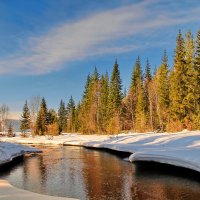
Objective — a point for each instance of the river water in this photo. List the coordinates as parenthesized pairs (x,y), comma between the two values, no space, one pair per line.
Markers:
(89,174)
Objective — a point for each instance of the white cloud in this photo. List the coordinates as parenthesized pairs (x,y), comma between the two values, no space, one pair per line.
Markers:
(91,36)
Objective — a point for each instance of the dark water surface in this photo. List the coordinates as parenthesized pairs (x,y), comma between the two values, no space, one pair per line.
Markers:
(88,174)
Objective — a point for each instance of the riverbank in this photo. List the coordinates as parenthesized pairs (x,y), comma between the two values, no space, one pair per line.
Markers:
(10,192)
(180,149)
(9,151)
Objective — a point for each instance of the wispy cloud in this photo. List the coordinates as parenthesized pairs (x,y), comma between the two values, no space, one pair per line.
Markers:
(92,36)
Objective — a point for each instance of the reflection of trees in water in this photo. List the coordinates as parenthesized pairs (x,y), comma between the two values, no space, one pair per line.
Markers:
(34,173)
(89,174)
(103,174)
(163,182)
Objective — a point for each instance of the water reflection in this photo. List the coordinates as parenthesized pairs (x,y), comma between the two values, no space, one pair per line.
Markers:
(87,174)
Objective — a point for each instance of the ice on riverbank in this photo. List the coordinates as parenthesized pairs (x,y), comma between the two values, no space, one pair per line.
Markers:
(180,149)
(8,151)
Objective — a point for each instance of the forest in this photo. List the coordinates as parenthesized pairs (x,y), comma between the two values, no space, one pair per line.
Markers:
(167,100)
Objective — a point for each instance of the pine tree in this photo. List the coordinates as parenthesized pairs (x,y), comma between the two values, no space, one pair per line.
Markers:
(85,104)
(147,100)
(62,117)
(115,91)
(53,125)
(95,77)
(162,92)
(189,99)
(25,122)
(77,117)
(140,114)
(52,116)
(132,98)
(177,80)
(94,95)
(197,81)
(103,103)
(71,115)
(87,85)
(42,119)
(115,100)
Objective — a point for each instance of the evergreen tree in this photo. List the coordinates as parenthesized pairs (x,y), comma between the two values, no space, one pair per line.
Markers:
(62,117)
(87,85)
(84,109)
(115,99)
(197,81)
(162,92)
(115,91)
(25,122)
(178,89)
(77,118)
(140,114)
(103,103)
(94,95)
(148,76)
(53,125)
(52,116)
(71,115)
(42,118)
(132,98)
(189,99)
(147,99)
(95,77)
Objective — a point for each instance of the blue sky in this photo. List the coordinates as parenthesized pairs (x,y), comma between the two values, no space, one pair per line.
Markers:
(49,46)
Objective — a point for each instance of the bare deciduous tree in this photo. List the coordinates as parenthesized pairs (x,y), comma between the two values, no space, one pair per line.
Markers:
(4,110)
(34,106)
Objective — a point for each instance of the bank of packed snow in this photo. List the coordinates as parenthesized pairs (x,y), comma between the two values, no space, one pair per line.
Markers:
(180,149)
(8,151)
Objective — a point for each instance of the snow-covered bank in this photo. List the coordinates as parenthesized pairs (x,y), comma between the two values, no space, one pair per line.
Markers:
(179,149)
(9,151)
(10,192)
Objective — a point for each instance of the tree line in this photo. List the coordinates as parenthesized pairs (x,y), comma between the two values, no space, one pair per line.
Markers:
(167,100)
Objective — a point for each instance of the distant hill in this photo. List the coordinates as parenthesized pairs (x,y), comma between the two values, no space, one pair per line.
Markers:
(15,124)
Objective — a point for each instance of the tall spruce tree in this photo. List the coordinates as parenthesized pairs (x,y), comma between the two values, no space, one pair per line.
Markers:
(42,118)
(85,104)
(115,91)
(94,95)
(25,122)
(52,116)
(87,85)
(71,115)
(103,103)
(162,92)
(178,89)
(189,99)
(197,81)
(140,114)
(147,99)
(77,117)
(53,125)
(115,99)
(62,117)
(132,98)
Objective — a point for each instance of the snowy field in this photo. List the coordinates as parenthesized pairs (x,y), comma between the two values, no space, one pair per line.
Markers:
(179,149)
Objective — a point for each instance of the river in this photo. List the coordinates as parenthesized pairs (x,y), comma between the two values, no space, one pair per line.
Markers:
(97,175)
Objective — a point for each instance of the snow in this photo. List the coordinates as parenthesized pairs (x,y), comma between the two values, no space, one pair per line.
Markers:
(179,149)
(10,192)
(8,151)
